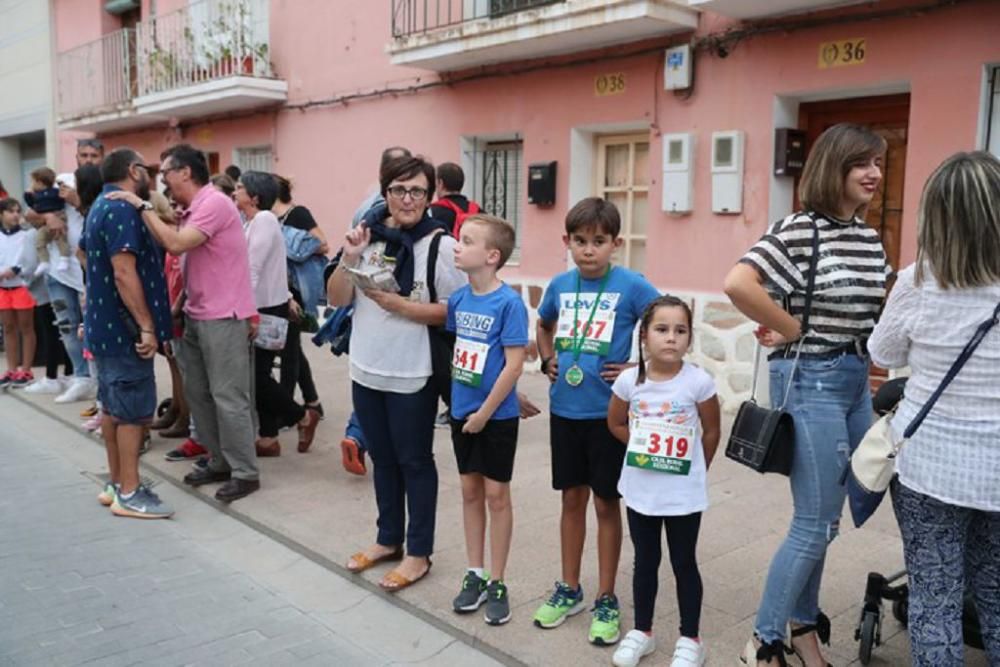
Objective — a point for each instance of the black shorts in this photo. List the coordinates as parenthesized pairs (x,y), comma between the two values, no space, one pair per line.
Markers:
(584,453)
(490,452)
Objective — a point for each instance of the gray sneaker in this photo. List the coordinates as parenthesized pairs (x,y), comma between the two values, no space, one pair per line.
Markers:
(473,594)
(144,504)
(497,604)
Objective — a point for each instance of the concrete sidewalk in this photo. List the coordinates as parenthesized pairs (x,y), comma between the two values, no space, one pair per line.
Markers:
(309,501)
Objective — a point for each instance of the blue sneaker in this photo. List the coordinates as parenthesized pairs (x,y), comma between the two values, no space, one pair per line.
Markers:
(563,603)
(144,504)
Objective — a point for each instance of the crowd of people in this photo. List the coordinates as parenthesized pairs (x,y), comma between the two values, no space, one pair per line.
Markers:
(223,274)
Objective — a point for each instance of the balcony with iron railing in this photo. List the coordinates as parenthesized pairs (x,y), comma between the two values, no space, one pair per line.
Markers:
(445,35)
(96,79)
(210,57)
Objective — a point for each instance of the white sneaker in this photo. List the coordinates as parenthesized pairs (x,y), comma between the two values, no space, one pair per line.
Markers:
(62,264)
(80,389)
(636,645)
(45,386)
(688,653)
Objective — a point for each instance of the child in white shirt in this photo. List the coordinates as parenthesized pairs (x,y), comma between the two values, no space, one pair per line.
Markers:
(655,409)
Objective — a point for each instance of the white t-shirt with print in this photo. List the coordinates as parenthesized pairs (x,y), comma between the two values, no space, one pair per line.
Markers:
(390,352)
(673,401)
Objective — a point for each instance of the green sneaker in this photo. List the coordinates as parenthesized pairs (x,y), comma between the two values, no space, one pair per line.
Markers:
(107,495)
(607,621)
(563,603)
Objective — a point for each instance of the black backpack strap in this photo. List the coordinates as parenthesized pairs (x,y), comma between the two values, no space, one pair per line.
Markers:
(432,260)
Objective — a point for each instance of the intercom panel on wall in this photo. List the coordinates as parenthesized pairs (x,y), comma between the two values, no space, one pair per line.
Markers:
(727,171)
(678,172)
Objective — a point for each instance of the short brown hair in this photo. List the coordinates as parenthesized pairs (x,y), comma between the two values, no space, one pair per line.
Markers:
(45,176)
(224,182)
(958,224)
(837,150)
(451,176)
(500,234)
(403,168)
(594,213)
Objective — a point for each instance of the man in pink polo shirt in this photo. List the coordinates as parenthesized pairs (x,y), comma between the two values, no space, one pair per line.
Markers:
(219,312)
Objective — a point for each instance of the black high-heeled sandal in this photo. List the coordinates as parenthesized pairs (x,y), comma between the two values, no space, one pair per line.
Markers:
(822,629)
(753,653)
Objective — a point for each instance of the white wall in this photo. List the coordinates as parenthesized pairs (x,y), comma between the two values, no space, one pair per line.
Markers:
(25,82)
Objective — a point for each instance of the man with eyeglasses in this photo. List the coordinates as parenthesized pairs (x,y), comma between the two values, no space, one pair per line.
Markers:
(65,283)
(220,320)
(127,319)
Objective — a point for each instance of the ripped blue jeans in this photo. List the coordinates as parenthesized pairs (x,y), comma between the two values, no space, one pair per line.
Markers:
(831,404)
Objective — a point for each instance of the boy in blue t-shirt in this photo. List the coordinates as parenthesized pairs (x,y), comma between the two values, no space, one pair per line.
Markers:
(491,326)
(584,335)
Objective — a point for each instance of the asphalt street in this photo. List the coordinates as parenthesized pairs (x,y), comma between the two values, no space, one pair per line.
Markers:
(80,586)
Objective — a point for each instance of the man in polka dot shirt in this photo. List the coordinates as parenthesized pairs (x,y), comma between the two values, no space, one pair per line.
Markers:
(126,319)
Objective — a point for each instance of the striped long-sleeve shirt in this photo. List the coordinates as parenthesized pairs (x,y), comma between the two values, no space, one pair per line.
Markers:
(850,276)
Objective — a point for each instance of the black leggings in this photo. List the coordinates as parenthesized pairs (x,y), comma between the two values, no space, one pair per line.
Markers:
(275,405)
(50,350)
(295,367)
(682,540)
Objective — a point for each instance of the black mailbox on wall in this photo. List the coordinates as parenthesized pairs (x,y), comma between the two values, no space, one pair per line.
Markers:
(789,151)
(542,183)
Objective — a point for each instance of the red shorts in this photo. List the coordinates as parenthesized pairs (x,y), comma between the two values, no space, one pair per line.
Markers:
(16,298)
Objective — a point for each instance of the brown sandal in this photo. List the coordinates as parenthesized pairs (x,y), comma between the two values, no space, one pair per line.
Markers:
(363,562)
(393,581)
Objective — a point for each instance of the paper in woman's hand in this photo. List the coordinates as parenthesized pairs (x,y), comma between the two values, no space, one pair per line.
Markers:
(380,279)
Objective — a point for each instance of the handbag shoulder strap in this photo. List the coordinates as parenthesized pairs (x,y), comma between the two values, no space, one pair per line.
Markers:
(970,347)
(810,281)
(813,269)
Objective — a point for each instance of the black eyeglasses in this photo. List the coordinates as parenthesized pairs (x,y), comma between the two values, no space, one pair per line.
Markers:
(92,143)
(399,192)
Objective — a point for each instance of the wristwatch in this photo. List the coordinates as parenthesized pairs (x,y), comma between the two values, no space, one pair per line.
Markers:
(146,206)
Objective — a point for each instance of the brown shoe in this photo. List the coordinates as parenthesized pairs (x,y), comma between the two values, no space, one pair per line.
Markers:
(307,431)
(235,489)
(265,449)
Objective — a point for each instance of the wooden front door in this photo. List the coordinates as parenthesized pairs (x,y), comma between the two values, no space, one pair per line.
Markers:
(888,116)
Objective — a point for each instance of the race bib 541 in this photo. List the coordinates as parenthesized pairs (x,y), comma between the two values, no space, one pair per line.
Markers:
(468,362)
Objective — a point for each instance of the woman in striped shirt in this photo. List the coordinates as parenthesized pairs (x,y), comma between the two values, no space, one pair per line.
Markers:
(828,395)
(947,495)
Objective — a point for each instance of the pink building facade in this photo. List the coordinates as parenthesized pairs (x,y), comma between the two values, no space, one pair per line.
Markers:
(684,142)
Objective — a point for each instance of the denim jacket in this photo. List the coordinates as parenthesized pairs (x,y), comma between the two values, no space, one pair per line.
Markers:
(305,267)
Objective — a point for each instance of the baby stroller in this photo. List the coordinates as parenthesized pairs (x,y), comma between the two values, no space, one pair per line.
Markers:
(880,587)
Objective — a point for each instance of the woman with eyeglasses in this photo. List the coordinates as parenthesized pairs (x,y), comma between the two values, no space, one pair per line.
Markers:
(394,396)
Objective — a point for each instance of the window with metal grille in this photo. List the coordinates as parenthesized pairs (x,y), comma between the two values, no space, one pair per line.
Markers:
(498,182)
(992,142)
(253,158)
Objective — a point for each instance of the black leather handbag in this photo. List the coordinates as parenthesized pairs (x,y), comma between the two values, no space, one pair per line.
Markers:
(763,439)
